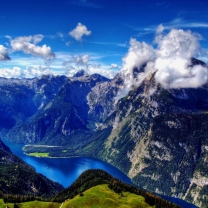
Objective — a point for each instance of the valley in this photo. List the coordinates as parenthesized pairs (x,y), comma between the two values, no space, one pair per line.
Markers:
(21,186)
(158,139)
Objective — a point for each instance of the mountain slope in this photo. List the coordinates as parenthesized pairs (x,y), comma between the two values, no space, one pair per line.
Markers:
(162,137)
(98,188)
(103,196)
(40,109)
(19,178)
(156,136)
(152,137)
(90,185)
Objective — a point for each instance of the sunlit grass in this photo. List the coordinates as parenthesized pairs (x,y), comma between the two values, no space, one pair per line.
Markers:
(31,204)
(103,197)
(39,154)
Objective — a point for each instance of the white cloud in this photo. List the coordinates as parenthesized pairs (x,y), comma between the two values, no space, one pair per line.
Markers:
(174,54)
(82,59)
(61,35)
(75,63)
(181,23)
(79,32)
(138,54)
(123,45)
(171,61)
(102,70)
(15,72)
(28,44)
(114,66)
(174,24)
(160,29)
(66,63)
(3,53)
(29,72)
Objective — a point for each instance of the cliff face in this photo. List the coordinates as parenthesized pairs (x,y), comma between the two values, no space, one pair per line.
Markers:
(160,140)
(49,109)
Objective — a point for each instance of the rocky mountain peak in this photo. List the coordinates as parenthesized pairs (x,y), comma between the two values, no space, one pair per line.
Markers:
(80,73)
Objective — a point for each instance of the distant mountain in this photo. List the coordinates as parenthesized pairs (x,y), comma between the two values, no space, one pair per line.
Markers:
(157,136)
(47,109)
(18,178)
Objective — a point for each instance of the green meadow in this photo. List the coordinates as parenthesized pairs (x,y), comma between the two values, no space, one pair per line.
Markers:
(102,196)
(31,204)
(39,154)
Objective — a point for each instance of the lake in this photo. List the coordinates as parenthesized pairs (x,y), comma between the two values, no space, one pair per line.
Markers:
(66,170)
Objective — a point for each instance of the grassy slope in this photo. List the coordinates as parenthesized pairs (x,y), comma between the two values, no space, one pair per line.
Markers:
(98,196)
(38,154)
(103,197)
(32,204)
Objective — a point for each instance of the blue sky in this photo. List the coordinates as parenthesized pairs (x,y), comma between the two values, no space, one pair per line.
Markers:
(63,36)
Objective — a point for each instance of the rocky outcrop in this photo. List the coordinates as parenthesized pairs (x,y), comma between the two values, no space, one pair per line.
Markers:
(160,140)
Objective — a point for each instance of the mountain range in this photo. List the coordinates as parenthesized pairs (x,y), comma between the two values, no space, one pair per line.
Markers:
(157,136)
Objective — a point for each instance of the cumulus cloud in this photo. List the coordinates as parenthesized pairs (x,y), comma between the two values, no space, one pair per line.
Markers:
(102,70)
(28,44)
(29,72)
(114,66)
(82,60)
(173,62)
(79,32)
(3,53)
(138,54)
(75,63)
(15,72)
(160,29)
(170,60)
(79,61)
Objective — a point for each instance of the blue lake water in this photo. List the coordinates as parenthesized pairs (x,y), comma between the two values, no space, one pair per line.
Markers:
(67,170)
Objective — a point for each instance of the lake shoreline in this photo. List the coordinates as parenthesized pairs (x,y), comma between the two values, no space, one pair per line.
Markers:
(65,170)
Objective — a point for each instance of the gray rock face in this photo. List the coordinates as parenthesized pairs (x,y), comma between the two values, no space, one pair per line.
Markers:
(160,140)
(47,109)
(101,99)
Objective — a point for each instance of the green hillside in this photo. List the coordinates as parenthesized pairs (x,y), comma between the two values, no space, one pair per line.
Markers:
(103,197)
(31,204)
(18,179)
(96,188)
(89,187)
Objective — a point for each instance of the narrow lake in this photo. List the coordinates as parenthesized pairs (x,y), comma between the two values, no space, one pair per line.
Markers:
(67,170)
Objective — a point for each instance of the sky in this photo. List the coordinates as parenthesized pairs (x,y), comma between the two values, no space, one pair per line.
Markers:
(61,37)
